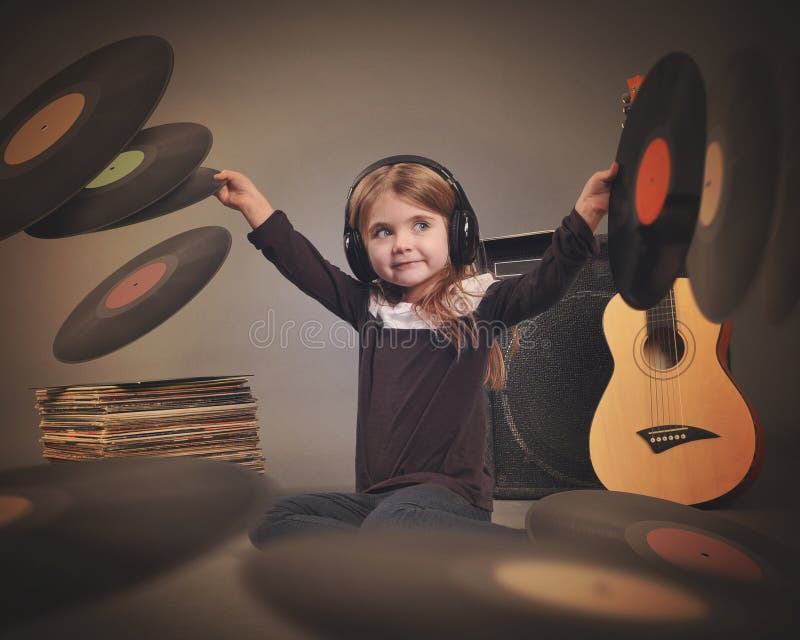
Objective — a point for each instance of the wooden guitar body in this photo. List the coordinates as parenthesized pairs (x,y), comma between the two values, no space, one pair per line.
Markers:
(671,423)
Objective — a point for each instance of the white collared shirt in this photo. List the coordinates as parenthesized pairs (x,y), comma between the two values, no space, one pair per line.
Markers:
(402,315)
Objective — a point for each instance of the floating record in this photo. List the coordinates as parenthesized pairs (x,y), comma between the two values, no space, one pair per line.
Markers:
(199,186)
(411,584)
(668,535)
(142,294)
(741,169)
(156,161)
(656,196)
(62,135)
(781,286)
(73,532)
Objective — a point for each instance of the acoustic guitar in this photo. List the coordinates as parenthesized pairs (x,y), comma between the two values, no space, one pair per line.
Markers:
(671,423)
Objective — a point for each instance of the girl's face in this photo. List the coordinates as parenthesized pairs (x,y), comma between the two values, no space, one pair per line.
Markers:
(407,246)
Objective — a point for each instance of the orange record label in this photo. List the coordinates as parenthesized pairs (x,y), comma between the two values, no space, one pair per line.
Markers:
(44,128)
(13,508)
(712,184)
(652,181)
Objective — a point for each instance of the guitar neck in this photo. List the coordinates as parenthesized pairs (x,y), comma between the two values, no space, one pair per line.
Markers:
(662,315)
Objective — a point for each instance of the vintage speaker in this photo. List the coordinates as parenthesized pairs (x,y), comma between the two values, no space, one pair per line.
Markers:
(538,431)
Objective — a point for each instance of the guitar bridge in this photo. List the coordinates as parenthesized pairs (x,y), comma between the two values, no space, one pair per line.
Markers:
(671,435)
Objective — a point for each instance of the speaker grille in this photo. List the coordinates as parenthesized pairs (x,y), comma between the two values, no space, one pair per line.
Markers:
(539,423)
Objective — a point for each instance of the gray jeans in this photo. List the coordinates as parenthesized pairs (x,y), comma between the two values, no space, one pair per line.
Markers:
(423,506)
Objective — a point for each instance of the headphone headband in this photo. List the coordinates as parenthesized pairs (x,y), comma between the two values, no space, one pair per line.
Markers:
(461,197)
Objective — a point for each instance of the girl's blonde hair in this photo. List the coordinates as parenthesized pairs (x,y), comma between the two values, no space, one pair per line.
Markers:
(426,189)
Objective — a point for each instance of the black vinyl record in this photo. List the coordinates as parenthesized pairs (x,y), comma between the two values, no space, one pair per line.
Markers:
(63,134)
(77,531)
(416,584)
(146,384)
(668,535)
(656,196)
(156,161)
(780,284)
(198,186)
(142,294)
(741,171)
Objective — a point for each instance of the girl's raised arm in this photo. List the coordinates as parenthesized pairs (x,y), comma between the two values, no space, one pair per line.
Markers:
(593,202)
(241,194)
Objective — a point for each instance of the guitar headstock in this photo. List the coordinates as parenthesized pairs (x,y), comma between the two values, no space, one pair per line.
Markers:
(634,83)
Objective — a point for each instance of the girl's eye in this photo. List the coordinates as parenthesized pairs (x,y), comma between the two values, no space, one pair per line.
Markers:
(383,232)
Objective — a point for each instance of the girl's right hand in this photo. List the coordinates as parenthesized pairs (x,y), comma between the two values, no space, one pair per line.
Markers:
(241,194)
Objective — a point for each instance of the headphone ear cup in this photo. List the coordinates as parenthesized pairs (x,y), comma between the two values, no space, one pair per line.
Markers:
(357,256)
(471,237)
(463,237)
(454,237)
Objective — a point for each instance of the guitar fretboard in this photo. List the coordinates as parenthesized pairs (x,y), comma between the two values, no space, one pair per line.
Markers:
(662,315)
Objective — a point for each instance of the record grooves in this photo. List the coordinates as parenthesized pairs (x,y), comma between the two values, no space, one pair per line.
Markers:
(656,195)
(739,188)
(96,528)
(198,186)
(157,160)
(91,110)
(142,294)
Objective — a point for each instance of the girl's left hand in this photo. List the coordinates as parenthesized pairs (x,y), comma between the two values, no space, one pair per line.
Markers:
(592,204)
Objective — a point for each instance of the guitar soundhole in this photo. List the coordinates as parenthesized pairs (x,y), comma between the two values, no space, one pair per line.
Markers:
(663,348)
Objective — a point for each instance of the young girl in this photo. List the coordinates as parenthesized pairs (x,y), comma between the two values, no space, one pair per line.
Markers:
(427,325)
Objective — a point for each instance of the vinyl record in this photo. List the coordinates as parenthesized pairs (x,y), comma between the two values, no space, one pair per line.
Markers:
(412,584)
(63,134)
(741,171)
(198,186)
(146,384)
(780,284)
(656,196)
(668,535)
(75,532)
(156,161)
(142,294)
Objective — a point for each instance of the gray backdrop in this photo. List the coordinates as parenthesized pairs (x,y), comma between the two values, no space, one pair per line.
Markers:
(521,101)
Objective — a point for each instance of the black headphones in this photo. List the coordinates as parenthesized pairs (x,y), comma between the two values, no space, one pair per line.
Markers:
(463,237)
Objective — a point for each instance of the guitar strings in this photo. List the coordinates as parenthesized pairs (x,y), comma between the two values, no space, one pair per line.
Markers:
(664,370)
(652,336)
(675,336)
(669,407)
(668,396)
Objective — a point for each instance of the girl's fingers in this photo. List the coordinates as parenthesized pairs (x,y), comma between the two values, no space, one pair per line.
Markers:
(225,174)
(609,174)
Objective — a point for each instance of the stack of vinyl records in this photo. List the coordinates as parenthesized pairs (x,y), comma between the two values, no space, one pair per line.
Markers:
(210,417)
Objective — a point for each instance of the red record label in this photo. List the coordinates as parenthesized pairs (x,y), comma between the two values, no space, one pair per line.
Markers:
(701,553)
(142,294)
(652,181)
(136,285)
